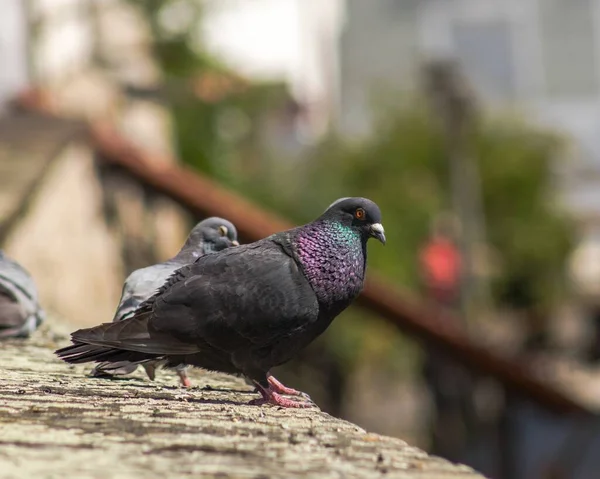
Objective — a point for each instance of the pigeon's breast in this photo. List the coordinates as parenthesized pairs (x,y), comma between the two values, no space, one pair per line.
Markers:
(334,266)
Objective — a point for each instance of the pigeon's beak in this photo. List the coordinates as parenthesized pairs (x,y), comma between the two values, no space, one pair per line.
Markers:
(235,243)
(377,231)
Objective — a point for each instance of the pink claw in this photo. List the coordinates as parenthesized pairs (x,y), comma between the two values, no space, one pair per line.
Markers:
(280,388)
(269,396)
(278,400)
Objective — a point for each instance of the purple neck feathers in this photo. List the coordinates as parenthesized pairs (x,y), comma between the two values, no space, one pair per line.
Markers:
(333,258)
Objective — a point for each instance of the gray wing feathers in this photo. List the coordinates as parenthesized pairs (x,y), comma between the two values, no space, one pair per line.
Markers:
(140,285)
(119,368)
(20,311)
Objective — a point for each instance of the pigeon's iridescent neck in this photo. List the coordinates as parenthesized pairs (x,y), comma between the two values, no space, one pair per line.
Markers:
(344,234)
(333,258)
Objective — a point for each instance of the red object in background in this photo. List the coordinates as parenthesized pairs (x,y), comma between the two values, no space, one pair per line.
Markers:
(440,261)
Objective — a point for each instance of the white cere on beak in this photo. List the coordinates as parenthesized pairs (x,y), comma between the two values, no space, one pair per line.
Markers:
(378,232)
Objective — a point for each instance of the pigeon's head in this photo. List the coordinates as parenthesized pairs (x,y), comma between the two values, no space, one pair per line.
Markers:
(215,234)
(360,214)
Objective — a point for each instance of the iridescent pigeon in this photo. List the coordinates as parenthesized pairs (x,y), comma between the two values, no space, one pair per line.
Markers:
(211,235)
(247,309)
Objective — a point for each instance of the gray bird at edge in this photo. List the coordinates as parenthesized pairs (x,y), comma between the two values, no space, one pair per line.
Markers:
(20,311)
(247,309)
(210,235)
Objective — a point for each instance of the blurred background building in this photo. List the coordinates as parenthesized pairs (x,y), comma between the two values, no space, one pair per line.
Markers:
(292,103)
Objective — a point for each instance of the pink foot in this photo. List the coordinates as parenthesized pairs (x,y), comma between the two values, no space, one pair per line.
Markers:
(269,396)
(185,381)
(280,388)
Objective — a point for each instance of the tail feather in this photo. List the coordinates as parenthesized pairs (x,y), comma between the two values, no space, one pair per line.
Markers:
(129,340)
(134,334)
(120,368)
(84,353)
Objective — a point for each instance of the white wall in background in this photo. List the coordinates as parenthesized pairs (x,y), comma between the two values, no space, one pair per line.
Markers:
(290,40)
(13,50)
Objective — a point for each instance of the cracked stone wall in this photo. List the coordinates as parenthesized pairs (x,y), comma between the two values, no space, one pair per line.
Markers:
(55,422)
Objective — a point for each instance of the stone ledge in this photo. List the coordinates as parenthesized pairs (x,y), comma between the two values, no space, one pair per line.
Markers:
(56,423)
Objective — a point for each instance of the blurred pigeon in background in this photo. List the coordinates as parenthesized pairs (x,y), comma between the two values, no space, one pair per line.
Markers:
(20,311)
(212,234)
(248,309)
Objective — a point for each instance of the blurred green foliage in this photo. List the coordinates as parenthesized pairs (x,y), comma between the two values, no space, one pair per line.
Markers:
(402,166)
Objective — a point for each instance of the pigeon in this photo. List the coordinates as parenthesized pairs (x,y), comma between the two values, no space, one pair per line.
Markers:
(247,309)
(20,311)
(212,234)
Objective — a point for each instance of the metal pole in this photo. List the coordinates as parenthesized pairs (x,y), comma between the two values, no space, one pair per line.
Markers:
(455,105)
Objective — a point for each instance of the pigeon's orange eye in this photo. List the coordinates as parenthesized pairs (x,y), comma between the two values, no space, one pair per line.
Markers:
(360,214)
(223,230)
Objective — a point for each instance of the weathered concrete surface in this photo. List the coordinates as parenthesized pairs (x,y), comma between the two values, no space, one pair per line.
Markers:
(55,423)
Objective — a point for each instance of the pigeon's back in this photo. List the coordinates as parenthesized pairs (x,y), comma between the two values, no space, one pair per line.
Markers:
(141,285)
(20,312)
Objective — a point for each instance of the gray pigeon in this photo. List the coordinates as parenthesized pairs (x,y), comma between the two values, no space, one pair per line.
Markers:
(248,309)
(20,311)
(212,234)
